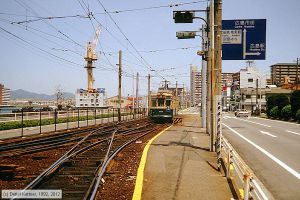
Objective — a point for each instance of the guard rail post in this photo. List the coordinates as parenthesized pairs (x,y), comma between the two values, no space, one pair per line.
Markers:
(246,186)
(228,164)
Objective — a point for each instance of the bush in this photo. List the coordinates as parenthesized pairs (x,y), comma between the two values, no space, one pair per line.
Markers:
(295,102)
(298,115)
(270,103)
(274,113)
(286,112)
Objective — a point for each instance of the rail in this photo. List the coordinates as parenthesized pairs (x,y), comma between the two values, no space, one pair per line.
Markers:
(236,168)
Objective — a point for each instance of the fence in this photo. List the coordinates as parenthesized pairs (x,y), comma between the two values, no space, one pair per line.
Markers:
(235,168)
(28,123)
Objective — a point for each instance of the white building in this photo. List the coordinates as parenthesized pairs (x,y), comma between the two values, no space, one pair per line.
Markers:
(87,99)
(251,77)
(4,95)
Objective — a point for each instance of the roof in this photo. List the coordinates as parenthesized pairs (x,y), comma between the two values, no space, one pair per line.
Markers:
(284,64)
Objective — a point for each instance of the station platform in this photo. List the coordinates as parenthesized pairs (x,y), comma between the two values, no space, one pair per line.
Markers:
(179,166)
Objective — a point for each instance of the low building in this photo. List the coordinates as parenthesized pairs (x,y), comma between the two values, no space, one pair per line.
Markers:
(86,99)
(4,95)
(113,102)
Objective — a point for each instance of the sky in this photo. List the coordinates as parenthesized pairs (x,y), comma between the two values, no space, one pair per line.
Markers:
(41,54)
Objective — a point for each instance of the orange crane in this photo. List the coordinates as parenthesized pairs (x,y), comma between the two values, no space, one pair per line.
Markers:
(90,58)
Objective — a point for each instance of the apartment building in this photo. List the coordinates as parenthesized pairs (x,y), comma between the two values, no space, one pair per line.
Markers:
(281,71)
(4,95)
(195,86)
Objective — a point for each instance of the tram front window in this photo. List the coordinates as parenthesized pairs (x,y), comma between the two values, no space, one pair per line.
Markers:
(168,102)
(160,102)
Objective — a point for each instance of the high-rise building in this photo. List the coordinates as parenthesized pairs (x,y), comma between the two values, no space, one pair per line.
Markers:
(4,95)
(195,86)
(280,71)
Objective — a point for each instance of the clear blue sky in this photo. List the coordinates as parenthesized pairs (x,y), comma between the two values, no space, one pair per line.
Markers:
(41,68)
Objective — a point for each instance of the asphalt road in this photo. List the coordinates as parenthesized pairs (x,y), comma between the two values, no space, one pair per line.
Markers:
(271,149)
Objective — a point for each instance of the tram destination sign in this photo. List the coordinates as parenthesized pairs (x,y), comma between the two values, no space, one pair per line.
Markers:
(244,39)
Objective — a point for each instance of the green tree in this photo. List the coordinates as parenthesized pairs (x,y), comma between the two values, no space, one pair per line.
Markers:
(270,103)
(281,101)
(286,112)
(274,113)
(295,102)
(298,115)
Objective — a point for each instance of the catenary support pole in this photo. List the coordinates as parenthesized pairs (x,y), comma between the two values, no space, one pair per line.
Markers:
(120,86)
(149,95)
(137,91)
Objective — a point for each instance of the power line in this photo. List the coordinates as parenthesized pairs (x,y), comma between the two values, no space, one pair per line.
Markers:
(153,7)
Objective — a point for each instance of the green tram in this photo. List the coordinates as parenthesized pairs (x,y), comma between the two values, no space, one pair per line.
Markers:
(163,107)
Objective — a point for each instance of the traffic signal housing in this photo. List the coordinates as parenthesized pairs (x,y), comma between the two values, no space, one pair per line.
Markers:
(183,16)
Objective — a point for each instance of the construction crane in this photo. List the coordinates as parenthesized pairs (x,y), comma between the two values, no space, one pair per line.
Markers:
(90,58)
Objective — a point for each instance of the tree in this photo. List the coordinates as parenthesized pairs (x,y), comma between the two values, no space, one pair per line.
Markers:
(298,115)
(274,113)
(286,112)
(270,103)
(281,100)
(59,94)
(295,102)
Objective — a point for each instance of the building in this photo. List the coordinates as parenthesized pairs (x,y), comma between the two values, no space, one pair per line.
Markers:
(246,82)
(84,98)
(227,80)
(113,102)
(280,71)
(195,86)
(4,95)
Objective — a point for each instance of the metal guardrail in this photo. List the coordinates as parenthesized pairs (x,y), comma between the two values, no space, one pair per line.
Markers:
(235,168)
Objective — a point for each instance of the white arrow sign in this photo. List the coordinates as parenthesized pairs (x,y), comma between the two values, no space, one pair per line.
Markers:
(244,47)
(267,133)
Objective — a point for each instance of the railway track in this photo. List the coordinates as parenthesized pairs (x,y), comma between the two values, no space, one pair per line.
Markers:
(53,141)
(78,173)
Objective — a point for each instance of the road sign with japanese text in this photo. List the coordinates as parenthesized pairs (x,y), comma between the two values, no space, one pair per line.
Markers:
(244,39)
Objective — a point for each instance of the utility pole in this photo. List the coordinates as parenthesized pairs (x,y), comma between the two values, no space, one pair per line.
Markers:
(184,99)
(133,106)
(137,90)
(120,86)
(218,86)
(203,80)
(149,95)
(213,76)
(208,104)
(176,91)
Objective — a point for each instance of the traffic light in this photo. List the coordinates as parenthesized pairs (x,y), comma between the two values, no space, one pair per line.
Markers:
(183,16)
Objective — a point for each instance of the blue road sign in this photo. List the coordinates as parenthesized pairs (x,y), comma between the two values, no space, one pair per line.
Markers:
(244,39)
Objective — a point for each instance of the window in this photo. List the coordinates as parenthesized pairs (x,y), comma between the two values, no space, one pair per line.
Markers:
(81,104)
(168,102)
(160,102)
(80,100)
(250,80)
(248,96)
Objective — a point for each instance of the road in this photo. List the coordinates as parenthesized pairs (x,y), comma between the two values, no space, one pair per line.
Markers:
(271,149)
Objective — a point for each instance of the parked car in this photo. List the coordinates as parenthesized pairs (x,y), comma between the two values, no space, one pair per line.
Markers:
(242,113)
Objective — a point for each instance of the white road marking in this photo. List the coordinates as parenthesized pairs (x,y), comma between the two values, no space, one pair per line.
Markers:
(267,133)
(292,132)
(255,123)
(279,162)
(277,121)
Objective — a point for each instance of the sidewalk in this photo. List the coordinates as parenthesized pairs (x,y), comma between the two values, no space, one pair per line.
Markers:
(180,166)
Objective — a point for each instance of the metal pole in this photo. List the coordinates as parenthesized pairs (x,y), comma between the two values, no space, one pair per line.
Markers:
(22,123)
(78,118)
(256,100)
(137,90)
(133,101)
(40,121)
(208,102)
(95,116)
(67,119)
(120,86)
(149,95)
(87,117)
(55,118)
